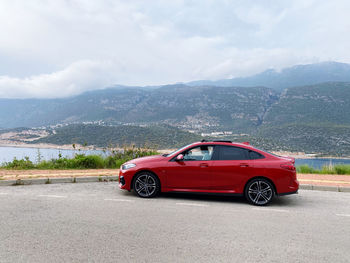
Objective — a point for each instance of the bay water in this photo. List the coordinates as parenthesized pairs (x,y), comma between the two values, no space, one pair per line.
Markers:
(7,154)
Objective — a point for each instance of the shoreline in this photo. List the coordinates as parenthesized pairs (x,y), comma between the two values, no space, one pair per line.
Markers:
(296,155)
(49,146)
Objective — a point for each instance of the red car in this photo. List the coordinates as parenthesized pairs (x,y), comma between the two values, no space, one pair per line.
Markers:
(212,167)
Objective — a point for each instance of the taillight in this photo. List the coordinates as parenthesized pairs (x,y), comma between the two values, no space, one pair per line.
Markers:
(288,166)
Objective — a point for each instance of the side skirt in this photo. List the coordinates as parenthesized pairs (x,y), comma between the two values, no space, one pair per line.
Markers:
(204,193)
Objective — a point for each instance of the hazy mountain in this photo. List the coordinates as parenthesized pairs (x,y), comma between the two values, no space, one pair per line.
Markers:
(299,75)
(180,105)
(312,118)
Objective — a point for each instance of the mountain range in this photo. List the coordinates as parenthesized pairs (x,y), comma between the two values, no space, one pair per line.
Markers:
(299,75)
(303,108)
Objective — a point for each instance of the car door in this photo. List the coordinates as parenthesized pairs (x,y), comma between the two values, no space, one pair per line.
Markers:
(231,168)
(193,172)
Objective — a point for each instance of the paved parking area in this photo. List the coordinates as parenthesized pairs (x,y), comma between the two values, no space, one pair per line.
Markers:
(97,222)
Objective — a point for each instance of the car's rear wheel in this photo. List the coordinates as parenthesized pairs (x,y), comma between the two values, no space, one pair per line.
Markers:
(259,191)
(146,185)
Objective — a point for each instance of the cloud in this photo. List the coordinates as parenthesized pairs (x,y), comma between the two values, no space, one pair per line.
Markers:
(76,78)
(60,48)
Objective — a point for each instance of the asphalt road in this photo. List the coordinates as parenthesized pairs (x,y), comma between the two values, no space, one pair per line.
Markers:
(97,222)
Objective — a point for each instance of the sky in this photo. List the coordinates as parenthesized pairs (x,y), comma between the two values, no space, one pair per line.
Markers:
(59,48)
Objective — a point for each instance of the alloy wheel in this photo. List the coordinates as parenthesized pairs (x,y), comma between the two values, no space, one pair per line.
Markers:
(260,192)
(145,185)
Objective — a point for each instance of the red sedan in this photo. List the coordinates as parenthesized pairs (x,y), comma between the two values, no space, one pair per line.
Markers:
(212,167)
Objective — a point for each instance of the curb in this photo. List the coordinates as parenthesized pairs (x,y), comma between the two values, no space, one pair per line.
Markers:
(90,179)
(324,188)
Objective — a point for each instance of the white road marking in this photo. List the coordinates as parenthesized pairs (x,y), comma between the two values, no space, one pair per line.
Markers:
(54,196)
(192,204)
(343,215)
(271,210)
(119,200)
(3,193)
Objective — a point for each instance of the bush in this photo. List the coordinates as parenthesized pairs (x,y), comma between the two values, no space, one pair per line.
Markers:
(326,169)
(305,169)
(88,162)
(81,161)
(342,169)
(20,164)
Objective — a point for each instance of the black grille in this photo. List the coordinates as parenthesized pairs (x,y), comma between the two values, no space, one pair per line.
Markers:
(121,180)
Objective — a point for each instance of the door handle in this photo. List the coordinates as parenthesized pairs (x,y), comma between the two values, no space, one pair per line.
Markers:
(203,165)
(244,165)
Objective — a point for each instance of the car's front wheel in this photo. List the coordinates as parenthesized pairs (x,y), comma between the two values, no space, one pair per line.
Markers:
(259,191)
(146,185)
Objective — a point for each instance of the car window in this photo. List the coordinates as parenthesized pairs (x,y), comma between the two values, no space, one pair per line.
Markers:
(178,150)
(200,153)
(254,155)
(233,153)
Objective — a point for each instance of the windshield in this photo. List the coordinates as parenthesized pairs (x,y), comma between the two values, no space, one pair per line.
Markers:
(178,150)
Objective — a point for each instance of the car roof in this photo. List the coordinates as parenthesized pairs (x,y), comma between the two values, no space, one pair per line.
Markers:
(244,145)
(228,143)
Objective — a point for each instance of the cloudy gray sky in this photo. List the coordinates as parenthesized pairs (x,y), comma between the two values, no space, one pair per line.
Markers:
(55,48)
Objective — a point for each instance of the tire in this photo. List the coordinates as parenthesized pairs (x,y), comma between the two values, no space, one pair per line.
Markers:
(146,185)
(259,192)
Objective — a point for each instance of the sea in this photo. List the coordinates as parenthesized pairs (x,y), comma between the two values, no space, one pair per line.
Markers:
(7,154)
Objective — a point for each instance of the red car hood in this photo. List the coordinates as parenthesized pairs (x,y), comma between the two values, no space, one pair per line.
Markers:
(147,158)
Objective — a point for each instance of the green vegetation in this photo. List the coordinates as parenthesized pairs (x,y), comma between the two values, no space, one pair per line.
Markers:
(340,169)
(82,161)
(156,136)
(312,138)
(325,103)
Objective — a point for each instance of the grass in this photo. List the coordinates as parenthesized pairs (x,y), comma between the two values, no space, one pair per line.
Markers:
(81,161)
(341,169)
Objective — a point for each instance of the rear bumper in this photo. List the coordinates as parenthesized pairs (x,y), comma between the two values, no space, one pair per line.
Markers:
(292,188)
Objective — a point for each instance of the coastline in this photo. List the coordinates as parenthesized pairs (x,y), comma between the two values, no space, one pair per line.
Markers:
(49,146)
(296,155)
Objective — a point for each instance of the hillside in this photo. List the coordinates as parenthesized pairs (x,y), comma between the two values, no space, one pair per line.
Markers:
(311,118)
(106,136)
(197,108)
(312,138)
(327,103)
(299,75)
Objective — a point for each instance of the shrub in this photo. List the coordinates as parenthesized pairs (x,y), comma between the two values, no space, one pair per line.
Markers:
(326,169)
(81,161)
(20,164)
(88,162)
(305,169)
(342,169)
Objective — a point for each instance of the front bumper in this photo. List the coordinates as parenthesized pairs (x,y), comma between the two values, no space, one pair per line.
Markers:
(125,177)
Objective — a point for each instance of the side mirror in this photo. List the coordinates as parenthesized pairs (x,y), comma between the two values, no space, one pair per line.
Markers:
(180,157)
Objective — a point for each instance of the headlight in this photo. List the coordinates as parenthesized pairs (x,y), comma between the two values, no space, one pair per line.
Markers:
(128,166)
